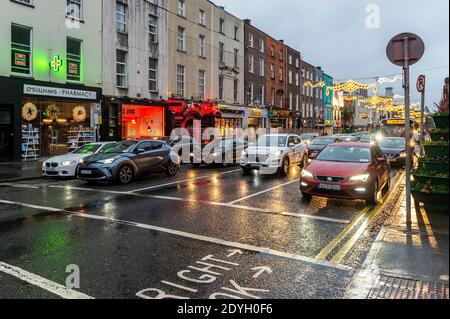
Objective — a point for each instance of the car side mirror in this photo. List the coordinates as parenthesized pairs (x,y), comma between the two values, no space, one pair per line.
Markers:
(291,145)
(140,150)
(313,155)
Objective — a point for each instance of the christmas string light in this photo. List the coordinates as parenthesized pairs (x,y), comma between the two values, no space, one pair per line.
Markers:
(314,84)
(351,87)
(350,98)
(382,80)
(376,100)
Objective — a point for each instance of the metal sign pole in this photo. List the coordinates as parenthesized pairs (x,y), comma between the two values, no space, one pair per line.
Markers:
(407,125)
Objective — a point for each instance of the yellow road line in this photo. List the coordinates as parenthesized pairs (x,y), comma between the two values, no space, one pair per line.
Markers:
(329,248)
(351,242)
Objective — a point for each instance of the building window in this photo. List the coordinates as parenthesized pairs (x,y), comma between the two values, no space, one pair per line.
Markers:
(297,79)
(201,46)
(221,80)
(236,33)
(236,90)
(236,58)
(250,92)
(290,59)
(21,49)
(201,83)
(280,55)
(272,51)
(272,71)
(181,39)
(181,8)
(291,79)
(153,75)
(261,45)
(121,17)
(74,9)
(273,96)
(222,26)
(73,60)
(250,40)
(261,94)
(281,74)
(297,63)
(153,29)
(201,17)
(251,68)
(221,52)
(180,79)
(297,102)
(121,69)
(261,67)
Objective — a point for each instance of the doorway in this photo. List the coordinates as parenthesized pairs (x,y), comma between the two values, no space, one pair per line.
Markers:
(6,133)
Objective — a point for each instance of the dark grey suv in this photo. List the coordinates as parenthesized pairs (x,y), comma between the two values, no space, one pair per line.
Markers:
(124,161)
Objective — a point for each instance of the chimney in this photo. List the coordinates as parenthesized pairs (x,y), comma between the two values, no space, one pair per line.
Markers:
(282,41)
(248,21)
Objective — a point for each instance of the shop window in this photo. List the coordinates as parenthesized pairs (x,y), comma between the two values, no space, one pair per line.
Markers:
(73,60)
(142,122)
(20,49)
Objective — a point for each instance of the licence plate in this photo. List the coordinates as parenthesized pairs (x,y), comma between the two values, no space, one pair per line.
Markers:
(330,187)
(84,172)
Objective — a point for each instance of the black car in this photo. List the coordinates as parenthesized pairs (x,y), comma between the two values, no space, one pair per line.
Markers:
(395,149)
(319,143)
(124,161)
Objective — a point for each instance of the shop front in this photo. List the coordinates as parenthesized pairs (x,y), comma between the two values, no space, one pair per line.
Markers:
(295,120)
(279,118)
(256,118)
(129,119)
(231,118)
(47,119)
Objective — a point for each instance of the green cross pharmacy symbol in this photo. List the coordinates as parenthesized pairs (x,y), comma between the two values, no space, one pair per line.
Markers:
(56,63)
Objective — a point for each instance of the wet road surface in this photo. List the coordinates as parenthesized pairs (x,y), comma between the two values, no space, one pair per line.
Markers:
(206,233)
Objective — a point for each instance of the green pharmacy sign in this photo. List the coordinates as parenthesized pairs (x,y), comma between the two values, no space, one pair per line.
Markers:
(56,63)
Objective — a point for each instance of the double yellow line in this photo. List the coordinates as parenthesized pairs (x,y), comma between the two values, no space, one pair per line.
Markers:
(365,218)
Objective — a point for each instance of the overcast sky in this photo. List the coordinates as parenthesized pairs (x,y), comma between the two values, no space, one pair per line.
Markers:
(333,34)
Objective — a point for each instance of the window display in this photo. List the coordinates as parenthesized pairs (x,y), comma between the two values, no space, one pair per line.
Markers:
(142,122)
(56,127)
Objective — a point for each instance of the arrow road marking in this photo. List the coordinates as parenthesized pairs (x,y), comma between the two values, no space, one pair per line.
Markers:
(234,252)
(261,270)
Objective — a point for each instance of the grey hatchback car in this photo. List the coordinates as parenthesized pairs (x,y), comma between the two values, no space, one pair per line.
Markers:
(124,161)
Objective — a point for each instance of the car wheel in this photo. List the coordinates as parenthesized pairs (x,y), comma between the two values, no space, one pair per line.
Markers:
(306,197)
(304,161)
(125,175)
(246,170)
(195,165)
(172,169)
(373,200)
(285,166)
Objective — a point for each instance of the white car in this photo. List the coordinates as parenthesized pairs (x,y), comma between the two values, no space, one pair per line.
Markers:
(66,165)
(275,153)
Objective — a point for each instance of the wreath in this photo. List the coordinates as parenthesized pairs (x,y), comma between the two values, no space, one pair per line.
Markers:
(79,113)
(52,111)
(29,111)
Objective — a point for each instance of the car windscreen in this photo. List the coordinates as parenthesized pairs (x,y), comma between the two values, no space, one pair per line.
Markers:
(392,143)
(272,140)
(323,141)
(347,154)
(122,147)
(88,149)
(307,136)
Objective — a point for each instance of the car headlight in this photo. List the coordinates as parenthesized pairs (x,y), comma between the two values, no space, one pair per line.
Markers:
(379,137)
(215,154)
(66,163)
(108,161)
(243,154)
(276,153)
(360,178)
(403,154)
(307,174)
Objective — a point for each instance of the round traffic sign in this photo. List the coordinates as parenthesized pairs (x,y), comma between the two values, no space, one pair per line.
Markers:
(396,49)
(421,81)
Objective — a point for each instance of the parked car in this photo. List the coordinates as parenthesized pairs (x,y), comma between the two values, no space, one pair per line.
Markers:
(395,149)
(224,152)
(124,161)
(347,138)
(307,138)
(66,165)
(319,143)
(347,171)
(275,152)
(181,145)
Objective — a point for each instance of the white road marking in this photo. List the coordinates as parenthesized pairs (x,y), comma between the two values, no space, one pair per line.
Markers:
(41,282)
(178,286)
(184,181)
(263,192)
(179,199)
(213,240)
(19,185)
